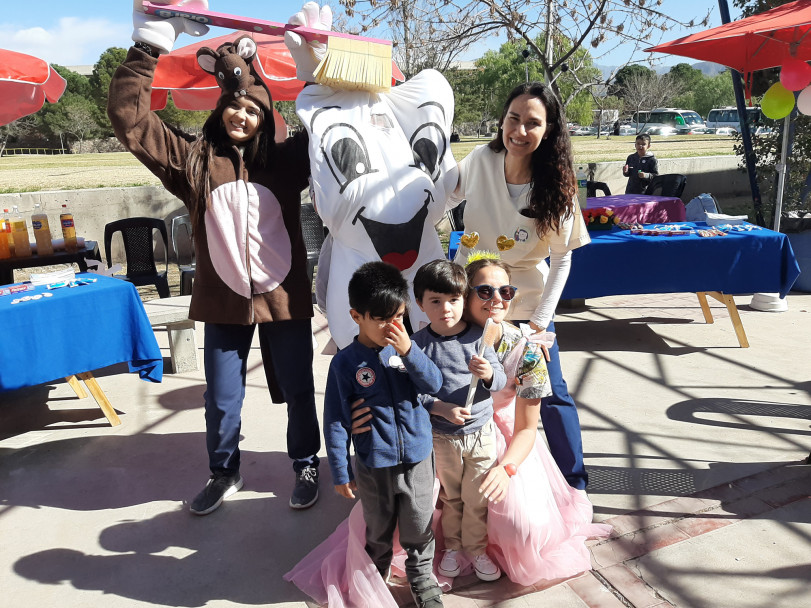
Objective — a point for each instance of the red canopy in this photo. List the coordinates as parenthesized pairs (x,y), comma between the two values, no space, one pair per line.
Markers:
(25,83)
(194,89)
(758,42)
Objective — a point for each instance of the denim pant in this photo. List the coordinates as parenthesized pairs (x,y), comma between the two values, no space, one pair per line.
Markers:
(562,424)
(226,349)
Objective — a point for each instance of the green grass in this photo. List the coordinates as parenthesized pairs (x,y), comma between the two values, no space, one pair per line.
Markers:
(617,148)
(121,169)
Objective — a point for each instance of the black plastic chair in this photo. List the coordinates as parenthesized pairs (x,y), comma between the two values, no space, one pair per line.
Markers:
(669,184)
(137,235)
(313,231)
(182,240)
(593,187)
(456,217)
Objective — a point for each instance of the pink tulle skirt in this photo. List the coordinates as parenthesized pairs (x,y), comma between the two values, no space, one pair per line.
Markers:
(537,532)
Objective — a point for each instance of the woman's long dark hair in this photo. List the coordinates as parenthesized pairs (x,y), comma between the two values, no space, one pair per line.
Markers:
(553,185)
(257,155)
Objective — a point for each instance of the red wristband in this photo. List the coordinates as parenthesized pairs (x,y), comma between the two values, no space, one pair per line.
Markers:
(511,469)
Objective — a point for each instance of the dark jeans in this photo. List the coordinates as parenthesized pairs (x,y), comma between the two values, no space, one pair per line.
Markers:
(226,350)
(561,422)
(401,496)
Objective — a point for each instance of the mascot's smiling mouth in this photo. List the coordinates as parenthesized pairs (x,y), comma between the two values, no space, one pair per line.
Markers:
(397,244)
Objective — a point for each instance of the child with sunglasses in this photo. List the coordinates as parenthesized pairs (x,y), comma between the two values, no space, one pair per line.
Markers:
(464,436)
(527,492)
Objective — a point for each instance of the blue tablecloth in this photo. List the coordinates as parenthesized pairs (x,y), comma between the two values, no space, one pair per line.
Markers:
(619,263)
(79,329)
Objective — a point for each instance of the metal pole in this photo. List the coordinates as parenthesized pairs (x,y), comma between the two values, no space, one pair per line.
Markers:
(746,136)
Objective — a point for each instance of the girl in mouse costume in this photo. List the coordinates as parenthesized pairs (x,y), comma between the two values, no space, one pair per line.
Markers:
(242,191)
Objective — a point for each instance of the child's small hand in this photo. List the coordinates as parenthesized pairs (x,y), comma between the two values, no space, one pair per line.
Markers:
(481,368)
(347,490)
(495,484)
(360,416)
(456,414)
(397,336)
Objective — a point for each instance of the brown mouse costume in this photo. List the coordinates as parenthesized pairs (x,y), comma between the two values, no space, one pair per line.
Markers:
(244,201)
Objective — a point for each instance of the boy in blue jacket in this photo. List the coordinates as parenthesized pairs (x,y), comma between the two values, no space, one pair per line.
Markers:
(394,463)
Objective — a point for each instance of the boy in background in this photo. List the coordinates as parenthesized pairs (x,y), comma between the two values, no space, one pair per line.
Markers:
(394,463)
(641,166)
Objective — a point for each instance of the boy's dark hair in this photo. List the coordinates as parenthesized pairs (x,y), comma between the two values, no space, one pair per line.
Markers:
(378,289)
(644,137)
(440,276)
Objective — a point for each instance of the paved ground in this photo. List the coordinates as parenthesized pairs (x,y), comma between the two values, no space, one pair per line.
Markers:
(695,449)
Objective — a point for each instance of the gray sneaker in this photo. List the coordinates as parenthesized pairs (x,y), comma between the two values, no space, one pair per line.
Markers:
(218,488)
(306,491)
(427,594)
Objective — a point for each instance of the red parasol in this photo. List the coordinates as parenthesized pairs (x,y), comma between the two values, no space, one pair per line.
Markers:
(25,83)
(758,42)
(194,89)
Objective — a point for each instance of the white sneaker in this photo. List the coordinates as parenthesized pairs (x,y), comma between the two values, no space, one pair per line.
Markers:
(486,570)
(449,566)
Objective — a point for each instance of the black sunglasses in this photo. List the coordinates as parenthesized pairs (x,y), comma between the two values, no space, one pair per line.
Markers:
(486,292)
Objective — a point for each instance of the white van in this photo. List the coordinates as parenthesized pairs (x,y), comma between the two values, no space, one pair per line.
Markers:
(668,121)
(728,120)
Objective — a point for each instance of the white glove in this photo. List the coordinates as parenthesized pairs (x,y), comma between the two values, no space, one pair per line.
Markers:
(308,55)
(161,33)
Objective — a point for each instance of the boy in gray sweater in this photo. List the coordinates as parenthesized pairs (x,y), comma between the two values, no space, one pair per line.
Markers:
(464,438)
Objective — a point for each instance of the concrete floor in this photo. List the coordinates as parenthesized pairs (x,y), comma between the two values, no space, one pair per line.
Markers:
(694,447)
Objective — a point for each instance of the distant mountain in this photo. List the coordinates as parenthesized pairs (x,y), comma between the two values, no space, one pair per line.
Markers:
(706,67)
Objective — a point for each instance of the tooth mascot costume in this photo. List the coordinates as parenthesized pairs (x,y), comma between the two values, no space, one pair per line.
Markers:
(382,171)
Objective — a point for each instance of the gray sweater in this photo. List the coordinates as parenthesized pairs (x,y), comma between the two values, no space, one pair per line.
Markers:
(451,354)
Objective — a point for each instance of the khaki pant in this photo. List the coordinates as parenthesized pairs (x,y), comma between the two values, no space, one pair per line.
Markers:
(462,461)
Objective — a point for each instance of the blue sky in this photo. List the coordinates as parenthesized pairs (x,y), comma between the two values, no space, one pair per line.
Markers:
(76,33)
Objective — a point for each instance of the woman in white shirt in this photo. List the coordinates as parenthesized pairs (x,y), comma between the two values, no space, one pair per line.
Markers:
(521,197)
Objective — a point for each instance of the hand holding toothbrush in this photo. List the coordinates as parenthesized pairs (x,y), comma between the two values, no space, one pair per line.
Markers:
(160,33)
(308,55)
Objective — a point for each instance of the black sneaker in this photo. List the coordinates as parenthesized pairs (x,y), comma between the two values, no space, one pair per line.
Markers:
(218,488)
(427,594)
(306,491)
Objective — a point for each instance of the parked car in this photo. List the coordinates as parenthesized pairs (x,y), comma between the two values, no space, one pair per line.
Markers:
(727,117)
(681,121)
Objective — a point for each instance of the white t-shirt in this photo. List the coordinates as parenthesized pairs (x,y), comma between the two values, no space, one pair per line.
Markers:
(491,212)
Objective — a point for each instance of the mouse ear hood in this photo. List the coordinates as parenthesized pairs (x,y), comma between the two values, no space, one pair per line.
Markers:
(232,66)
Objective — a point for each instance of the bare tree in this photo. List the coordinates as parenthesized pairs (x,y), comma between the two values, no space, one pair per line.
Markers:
(452,26)
(648,90)
(81,122)
(18,128)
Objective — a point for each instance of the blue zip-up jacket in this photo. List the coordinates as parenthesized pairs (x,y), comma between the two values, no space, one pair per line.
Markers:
(389,385)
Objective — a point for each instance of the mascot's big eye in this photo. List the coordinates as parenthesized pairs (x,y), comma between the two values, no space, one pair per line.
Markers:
(346,154)
(237,71)
(220,75)
(429,145)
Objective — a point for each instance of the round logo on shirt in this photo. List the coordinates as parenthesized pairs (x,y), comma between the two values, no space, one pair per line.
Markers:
(520,235)
(365,377)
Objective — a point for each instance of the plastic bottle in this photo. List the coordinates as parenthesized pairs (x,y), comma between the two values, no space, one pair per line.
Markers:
(42,231)
(68,230)
(8,232)
(5,230)
(582,178)
(19,232)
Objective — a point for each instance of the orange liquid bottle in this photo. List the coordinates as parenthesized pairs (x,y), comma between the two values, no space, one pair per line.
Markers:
(19,232)
(5,230)
(68,230)
(42,231)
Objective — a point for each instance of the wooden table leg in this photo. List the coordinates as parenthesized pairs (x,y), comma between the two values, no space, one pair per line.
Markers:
(76,386)
(728,301)
(100,398)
